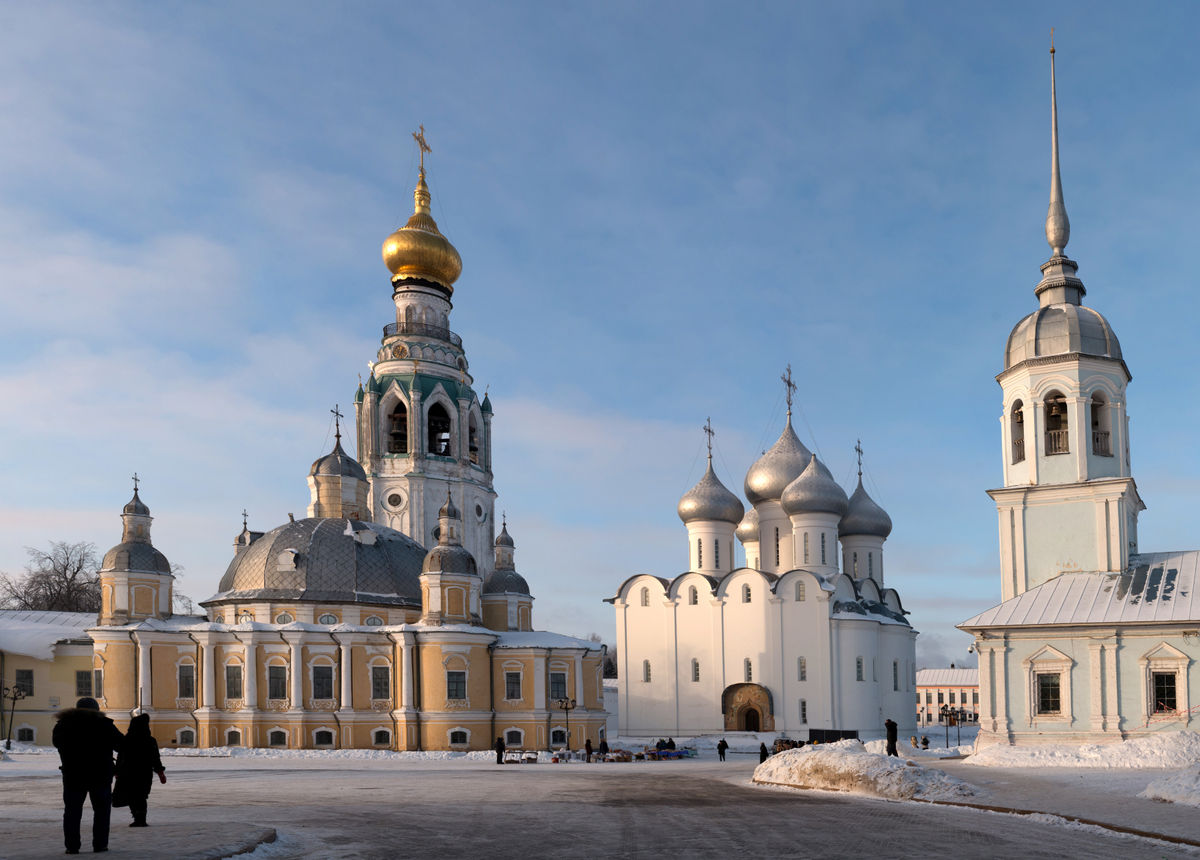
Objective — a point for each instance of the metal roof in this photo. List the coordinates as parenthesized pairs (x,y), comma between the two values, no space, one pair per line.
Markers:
(947,677)
(1157,587)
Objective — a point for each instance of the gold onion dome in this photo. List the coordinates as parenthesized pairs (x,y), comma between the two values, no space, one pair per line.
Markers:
(417,250)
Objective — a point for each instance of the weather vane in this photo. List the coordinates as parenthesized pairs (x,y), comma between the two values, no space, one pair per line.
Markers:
(1051,40)
(419,137)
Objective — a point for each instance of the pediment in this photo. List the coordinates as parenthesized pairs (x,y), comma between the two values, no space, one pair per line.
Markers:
(1047,655)
(1165,651)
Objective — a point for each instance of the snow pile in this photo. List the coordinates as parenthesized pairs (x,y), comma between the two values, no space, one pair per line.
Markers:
(1171,750)
(906,749)
(1183,786)
(847,766)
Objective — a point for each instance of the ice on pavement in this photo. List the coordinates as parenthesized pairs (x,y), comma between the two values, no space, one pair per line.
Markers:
(1166,750)
(848,766)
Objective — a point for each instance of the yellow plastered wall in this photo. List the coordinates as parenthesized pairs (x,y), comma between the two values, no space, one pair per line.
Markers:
(495,614)
(53,690)
(502,664)
(118,660)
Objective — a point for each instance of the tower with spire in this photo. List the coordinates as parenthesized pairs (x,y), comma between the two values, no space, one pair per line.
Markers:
(135,578)
(1069,501)
(420,424)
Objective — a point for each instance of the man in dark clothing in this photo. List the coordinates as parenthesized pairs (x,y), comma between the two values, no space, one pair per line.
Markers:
(890,725)
(721,748)
(86,741)
(602,749)
(587,748)
(136,766)
(762,753)
(500,748)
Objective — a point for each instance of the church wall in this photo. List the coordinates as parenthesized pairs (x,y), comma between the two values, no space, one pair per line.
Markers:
(1060,536)
(116,657)
(748,627)
(698,637)
(804,630)
(648,636)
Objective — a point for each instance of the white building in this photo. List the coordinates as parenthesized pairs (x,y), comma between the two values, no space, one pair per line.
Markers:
(790,643)
(1094,640)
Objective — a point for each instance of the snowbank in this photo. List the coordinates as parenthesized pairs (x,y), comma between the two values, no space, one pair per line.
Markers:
(847,766)
(1180,787)
(906,749)
(1166,750)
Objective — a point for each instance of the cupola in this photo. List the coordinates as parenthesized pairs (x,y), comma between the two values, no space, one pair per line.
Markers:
(418,251)
(337,484)
(507,604)
(711,513)
(135,578)
(450,582)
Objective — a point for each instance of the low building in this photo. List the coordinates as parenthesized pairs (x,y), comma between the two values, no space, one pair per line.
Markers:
(48,657)
(946,693)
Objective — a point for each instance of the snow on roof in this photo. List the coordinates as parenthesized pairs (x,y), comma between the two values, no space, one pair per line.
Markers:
(34,634)
(542,639)
(1157,587)
(947,677)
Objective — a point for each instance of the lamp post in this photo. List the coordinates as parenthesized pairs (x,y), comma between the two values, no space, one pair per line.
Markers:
(16,693)
(946,711)
(566,706)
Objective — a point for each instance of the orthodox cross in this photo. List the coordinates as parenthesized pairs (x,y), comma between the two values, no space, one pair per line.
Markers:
(790,386)
(709,432)
(419,137)
(859,450)
(244,518)
(337,422)
(135,482)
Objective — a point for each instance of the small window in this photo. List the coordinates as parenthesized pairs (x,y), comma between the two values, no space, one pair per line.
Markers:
(777,547)
(822,547)
(277,682)
(716,554)
(322,681)
(458,737)
(381,682)
(98,683)
(858,669)
(799,590)
(439,431)
(323,738)
(284,618)
(693,596)
(952,698)
(374,621)
(1049,693)
(646,671)
(941,700)
(975,697)
(749,669)
(83,683)
(801,669)
(24,681)
(456,686)
(854,565)
(558,685)
(187,738)
(699,554)
(25,735)
(187,682)
(233,681)
(397,440)
(806,547)
(233,738)
(512,686)
(871,564)
(381,738)
(895,675)
(558,737)
(327,618)
(1164,692)
(747,594)
(277,738)
(804,710)
(695,670)
(514,737)
(928,697)
(645,597)
(245,617)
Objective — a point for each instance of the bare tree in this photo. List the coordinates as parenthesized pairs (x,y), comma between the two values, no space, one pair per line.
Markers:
(63,578)
(181,604)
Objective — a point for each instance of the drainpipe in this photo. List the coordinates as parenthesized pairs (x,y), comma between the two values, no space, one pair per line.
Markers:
(492,684)
(137,669)
(336,719)
(196,698)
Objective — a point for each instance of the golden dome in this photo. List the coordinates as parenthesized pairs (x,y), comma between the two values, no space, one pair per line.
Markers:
(418,250)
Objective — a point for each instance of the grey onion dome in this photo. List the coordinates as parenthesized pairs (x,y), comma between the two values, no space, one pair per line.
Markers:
(327,559)
(505,582)
(779,466)
(747,530)
(864,516)
(448,509)
(710,500)
(338,463)
(136,506)
(135,557)
(504,538)
(449,558)
(1062,328)
(815,491)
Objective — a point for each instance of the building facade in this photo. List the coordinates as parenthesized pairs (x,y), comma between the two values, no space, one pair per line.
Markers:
(946,693)
(805,639)
(1094,639)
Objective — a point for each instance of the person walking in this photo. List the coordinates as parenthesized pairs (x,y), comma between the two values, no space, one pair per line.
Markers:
(890,725)
(137,764)
(587,748)
(603,749)
(762,753)
(722,746)
(86,740)
(499,747)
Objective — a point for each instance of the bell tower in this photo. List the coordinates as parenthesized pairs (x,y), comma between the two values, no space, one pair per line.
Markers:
(1069,502)
(421,425)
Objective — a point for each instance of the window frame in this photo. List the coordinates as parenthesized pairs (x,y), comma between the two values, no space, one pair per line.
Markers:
(240,679)
(23,680)
(185,681)
(512,679)
(277,682)
(558,691)
(456,682)
(85,688)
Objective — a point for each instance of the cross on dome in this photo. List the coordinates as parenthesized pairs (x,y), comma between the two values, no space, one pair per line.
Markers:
(337,425)
(859,450)
(709,432)
(135,482)
(422,146)
(789,387)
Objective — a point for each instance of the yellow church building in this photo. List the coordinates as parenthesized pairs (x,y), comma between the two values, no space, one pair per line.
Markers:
(391,617)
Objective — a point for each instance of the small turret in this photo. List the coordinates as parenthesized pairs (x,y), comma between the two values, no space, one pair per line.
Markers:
(135,578)
(450,581)
(507,604)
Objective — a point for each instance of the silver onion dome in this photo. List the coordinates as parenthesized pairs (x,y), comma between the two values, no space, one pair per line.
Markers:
(710,500)
(747,530)
(815,491)
(504,538)
(864,516)
(136,506)
(337,463)
(779,466)
(503,581)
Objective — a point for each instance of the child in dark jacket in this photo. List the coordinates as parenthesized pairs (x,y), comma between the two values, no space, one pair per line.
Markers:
(136,766)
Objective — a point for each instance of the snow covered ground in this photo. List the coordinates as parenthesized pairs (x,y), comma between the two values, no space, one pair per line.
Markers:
(1166,750)
(1182,786)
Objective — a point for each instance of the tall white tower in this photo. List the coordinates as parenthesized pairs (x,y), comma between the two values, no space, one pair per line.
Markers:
(1069,501)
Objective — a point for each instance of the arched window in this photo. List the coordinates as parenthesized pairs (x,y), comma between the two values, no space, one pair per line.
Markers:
(1056,424)
(1016,429)
(473,440)
(645,597)
(806,547)
(458,737)
(749,670)
(695,670)
(1101,437)
(777,547)
(398,430)
(822,547)
(323,738)
(187,738)
(277,738)
(233,738)
(699,554)
(855,568)
(558,737)
(747,594)
(693,596)
(439,431)
(381,737)
(799,590)
(717,554)
(646,671)
(514,737)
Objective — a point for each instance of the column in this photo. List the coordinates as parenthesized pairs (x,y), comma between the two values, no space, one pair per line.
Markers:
(1082,421)
(250,673)
(209,699)
(416,438)
(1097,683)
(579,680)
(145,700)
(296,673)
(408,657)
(346,675)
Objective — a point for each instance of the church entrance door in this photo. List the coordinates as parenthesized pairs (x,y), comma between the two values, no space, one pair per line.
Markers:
(748,708)
(750,720)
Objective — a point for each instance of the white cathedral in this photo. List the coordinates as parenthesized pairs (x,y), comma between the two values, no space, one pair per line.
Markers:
(1095,640)
(791,643)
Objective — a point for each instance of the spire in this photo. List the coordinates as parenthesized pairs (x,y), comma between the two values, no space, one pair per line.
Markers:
(1058,228)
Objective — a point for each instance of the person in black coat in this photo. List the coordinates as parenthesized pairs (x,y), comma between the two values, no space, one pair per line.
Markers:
(890,725)
(762,753)
(136,766)
(499,747)
(722,746)
(86,740)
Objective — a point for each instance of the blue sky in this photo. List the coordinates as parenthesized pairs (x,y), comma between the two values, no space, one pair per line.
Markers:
(658,206)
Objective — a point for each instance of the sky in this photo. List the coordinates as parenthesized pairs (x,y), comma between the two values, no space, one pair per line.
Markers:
(659,207)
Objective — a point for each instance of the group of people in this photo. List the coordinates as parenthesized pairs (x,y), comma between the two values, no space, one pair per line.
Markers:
(86,740)
(602,750)
(665,744)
